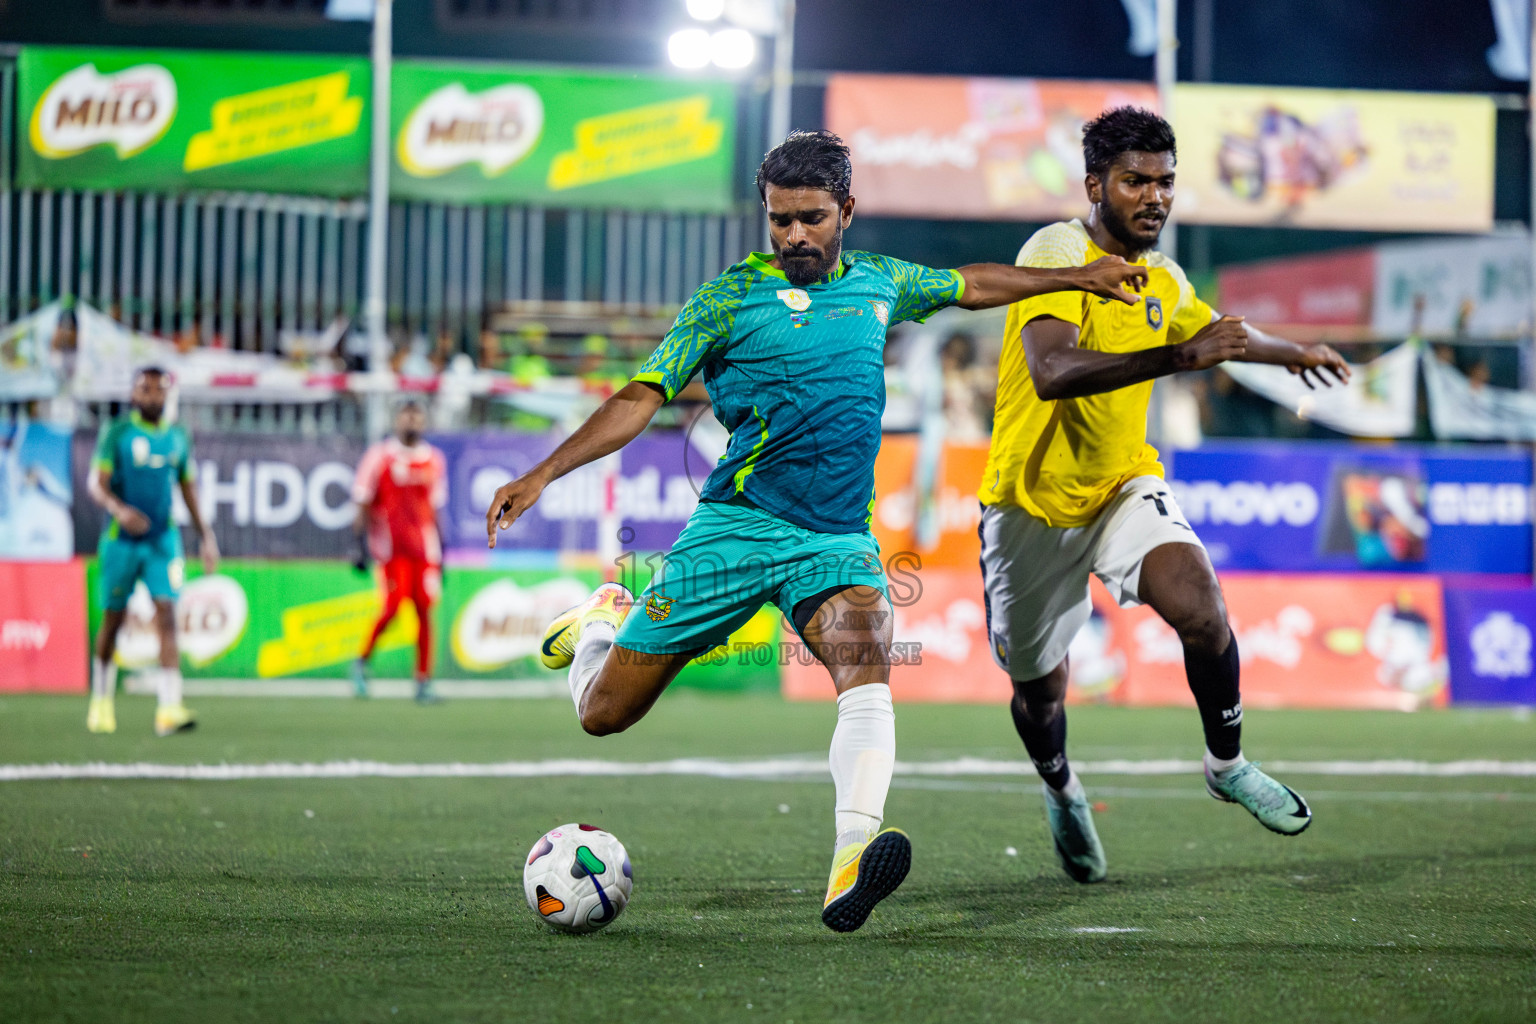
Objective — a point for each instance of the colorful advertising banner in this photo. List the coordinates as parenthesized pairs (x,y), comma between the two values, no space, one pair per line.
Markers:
(970,148)
(1312,641)
(308,620)
(488,133)
(1333,158)
(1480,287)
(168,120)
(42,626)
(1321,506)
(1489,635)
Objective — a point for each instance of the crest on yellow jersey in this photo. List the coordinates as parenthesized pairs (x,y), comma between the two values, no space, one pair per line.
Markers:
(1154,312)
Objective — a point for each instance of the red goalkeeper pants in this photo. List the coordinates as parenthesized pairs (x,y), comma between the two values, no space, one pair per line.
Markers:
(422,583)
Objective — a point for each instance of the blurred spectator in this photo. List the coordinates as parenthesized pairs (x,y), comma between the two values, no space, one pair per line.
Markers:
(66,333)
(967,408)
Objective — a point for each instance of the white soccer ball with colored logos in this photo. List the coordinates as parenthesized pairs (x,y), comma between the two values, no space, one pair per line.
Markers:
(577,878)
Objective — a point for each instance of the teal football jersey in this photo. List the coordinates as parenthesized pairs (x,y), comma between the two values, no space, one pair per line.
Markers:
(797,376)
(145,461)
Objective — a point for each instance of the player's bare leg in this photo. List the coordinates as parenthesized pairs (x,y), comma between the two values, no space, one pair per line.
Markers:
(850,633)
(171,715)
(1040,716)
(1177,581)
(101,716)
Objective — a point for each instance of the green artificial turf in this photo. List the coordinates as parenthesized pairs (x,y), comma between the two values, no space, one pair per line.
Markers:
(1410,899)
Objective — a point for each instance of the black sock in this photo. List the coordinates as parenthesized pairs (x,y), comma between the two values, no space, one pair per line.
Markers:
(1213,681)
(1047,744)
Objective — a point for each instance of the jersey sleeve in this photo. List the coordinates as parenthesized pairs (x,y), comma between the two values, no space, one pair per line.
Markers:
(1053,246)
(920,291)
(105,456)
(1191,314)
(701,329)
(366,483)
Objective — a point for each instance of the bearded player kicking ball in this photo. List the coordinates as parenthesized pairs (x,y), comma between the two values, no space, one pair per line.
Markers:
(1073,488)
(790,347)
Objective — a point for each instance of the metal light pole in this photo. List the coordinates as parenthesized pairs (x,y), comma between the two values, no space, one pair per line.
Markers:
(378,217)
(783,74)
(1166,72)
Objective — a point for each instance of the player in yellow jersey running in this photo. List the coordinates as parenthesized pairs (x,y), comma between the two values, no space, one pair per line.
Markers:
(1072,487)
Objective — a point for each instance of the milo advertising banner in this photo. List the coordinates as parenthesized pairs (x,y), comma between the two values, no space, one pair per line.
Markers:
(308,619)
(488,133)
(168,120)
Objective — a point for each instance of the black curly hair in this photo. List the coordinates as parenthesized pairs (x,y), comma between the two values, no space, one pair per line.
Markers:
(816,159)
(1124,130)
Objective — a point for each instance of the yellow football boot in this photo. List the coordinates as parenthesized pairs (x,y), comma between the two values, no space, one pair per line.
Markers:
(171,720)
(609,603)
(863,874)
(101,716)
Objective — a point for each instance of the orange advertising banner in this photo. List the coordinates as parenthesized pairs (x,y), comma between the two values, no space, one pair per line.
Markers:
(955,507)
(970,148)
(1313,641)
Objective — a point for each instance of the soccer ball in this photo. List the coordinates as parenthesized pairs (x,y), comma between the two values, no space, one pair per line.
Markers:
(577,878)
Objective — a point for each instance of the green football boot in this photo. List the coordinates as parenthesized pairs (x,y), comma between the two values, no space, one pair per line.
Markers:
(1077,841)
(1278,807)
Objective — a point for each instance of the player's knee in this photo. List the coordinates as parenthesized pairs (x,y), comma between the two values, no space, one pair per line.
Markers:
(601,721)
(1206,631)
(1038,710)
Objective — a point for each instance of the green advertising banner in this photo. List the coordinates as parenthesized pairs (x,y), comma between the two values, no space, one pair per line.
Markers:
(483,133)
(170,120)
(174,120)
(308,619)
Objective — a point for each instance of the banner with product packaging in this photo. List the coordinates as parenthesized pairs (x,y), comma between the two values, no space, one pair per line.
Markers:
(42,627)
(1315,641)
(1334,158)
(970,148)
(501,133)
(1320,506)
(169,120)
(308,620)
(1489,632)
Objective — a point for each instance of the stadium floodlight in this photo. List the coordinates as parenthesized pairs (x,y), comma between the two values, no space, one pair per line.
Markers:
(689,48)
(706,10)
(733,48)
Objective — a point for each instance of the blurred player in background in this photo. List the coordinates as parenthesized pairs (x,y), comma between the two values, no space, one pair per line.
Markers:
(401,483)
(139,460)
(1072,487)
(790,345)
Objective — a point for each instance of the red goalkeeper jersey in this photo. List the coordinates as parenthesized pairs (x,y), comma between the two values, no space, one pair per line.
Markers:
(402,487)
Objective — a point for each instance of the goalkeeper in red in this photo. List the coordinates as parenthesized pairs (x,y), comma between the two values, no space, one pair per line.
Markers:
(401,483)
(789,344)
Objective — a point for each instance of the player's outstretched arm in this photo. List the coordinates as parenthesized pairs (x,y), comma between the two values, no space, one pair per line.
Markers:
(997,284)
(616,422)
(1060,369)
(208,544)
(1299,359)
(99,486)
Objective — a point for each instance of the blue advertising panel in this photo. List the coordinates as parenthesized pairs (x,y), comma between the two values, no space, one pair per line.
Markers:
(1488,639)
(35,494)
(1337,507)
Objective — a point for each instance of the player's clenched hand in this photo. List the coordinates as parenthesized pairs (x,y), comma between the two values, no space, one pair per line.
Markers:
(512,500)
(1109,277)
(1317,358)
(1217,342)
(133,522)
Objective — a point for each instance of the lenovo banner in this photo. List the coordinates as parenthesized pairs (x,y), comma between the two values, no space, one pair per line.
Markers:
(1322,506)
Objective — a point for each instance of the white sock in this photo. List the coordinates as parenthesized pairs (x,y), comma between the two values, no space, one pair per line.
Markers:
(103,678)
(1218,764)
(170,687)
(862,758)
(597,637)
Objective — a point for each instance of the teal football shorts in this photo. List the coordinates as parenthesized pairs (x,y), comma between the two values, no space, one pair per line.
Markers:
(155,560)
(729,561)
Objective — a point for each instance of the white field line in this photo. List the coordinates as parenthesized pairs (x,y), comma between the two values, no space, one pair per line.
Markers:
(765,768)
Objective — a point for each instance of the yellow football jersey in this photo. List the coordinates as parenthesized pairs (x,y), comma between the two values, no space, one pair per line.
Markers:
(1063,461)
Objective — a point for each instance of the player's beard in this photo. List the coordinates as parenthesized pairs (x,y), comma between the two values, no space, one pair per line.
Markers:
(1117,226)
(150,413)
(807,264)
